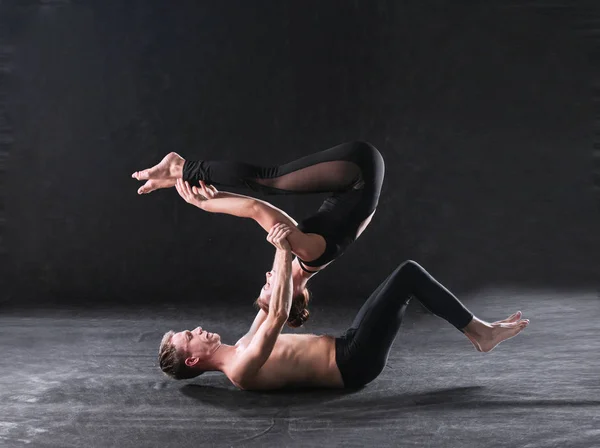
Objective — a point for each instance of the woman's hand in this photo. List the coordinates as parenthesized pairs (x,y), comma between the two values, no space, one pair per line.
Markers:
(278,236)
(207,191)
(195,195)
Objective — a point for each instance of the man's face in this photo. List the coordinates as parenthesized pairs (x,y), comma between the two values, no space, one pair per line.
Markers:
(197,344)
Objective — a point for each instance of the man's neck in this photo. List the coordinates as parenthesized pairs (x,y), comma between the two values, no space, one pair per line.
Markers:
(221,358)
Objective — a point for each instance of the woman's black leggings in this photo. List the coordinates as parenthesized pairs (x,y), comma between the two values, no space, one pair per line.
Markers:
(352,172)
(362,351)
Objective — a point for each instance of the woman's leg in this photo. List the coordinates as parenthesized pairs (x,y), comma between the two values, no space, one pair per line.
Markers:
(341,168)
(353,172)
(337,169)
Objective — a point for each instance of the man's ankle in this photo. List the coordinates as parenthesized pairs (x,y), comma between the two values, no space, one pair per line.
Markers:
(475,328)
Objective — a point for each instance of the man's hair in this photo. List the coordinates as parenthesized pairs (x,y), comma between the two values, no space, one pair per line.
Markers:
(172,362)
(298,311)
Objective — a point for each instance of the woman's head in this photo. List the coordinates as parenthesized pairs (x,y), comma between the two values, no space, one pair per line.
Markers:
(265,291)
(298,311)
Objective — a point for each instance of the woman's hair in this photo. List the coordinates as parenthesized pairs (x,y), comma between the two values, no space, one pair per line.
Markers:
(171,362)
(298,311)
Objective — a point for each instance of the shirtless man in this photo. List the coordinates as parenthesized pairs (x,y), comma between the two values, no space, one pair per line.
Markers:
(266,359)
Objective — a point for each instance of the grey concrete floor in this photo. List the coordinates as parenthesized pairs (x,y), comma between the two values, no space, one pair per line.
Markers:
(74,378)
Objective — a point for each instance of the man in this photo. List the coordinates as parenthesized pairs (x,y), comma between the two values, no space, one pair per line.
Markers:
(266,359)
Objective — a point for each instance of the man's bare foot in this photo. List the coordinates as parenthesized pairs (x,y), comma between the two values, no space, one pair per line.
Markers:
(163,175)
(485,336)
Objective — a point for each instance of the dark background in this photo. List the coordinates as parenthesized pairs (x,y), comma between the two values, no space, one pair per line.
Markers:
(483,112)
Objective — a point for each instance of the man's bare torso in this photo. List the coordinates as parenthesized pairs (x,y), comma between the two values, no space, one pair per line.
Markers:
(296,361)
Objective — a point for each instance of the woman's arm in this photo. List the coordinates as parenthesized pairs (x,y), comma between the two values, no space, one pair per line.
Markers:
(307,246)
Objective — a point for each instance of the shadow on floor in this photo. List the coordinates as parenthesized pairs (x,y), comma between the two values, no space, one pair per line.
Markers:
(363,403)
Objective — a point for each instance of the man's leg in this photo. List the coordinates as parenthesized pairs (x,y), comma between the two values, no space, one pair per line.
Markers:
(363,351)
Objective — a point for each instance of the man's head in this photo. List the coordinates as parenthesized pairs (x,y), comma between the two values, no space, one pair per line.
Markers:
(187,354)
(300,298)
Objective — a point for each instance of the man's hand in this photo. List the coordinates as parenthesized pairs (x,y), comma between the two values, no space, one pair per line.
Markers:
(278,236)
(195,195)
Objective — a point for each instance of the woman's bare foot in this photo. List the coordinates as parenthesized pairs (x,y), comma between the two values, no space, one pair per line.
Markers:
(485,336)
(163,175)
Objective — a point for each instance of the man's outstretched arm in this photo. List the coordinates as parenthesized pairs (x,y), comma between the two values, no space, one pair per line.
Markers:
(258,351)
(260,317)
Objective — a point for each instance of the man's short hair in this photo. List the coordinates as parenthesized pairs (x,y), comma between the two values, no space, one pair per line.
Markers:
(172,362)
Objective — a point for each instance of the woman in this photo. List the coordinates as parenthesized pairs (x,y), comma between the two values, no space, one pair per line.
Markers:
(352,172)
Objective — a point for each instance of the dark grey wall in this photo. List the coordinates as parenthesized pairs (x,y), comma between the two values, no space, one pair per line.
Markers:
(483,113)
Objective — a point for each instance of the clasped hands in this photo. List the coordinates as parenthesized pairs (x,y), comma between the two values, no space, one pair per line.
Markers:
(278,236)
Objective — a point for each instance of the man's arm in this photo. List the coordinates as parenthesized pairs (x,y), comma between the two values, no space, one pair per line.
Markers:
(258,351)
(258,321)
(307,246)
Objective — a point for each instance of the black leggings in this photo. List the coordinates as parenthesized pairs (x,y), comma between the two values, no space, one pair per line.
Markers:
(353,172)
(362,351)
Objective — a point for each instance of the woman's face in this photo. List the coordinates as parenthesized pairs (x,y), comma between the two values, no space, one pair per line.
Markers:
(265,292)
(264,298)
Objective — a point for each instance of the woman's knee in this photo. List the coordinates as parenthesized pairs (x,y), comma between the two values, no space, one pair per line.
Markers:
(409,267)
(376,160)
